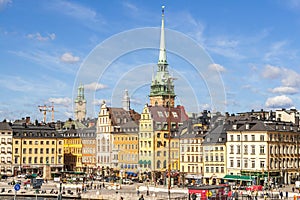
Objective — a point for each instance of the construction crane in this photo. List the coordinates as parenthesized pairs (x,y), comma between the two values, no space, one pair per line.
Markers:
(46,109)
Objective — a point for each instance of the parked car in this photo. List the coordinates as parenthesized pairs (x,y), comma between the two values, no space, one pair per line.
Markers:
(21,175)
(27,182)
(4,176)
(127,181)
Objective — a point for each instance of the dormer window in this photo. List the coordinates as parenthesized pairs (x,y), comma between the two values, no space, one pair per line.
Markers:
(247,126)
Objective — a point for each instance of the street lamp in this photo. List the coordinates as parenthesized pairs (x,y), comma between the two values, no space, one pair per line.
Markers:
(60,192)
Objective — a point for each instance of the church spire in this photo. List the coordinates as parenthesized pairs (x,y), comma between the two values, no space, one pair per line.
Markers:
(162,48)
(162,88)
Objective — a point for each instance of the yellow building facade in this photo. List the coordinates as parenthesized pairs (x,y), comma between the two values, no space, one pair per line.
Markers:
(72,151)
(125,140)
(37,149)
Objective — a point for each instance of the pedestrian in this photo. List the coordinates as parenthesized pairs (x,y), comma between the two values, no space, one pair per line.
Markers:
(141,198)
(229,195)
(286,194)
(194,196)
(147,190)
(121,198)
(293,189)
(256,195)
(281,194)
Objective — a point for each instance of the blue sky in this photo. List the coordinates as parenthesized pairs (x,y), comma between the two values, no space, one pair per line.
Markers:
(250,50)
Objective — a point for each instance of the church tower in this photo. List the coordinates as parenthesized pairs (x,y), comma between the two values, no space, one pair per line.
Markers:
(80,104)
(126,101)
(162,88)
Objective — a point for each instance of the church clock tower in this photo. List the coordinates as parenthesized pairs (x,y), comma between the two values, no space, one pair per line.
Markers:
(162,88)
(80,104)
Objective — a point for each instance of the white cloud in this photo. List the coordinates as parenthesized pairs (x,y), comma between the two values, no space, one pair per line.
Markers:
(69,58)
(291,78)
(39,37)
(285,90)
(279,102)
(95,86)
(271,72)
(65,101)
(217,67)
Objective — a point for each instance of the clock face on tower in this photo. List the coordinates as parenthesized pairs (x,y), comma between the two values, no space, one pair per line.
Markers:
(80,102)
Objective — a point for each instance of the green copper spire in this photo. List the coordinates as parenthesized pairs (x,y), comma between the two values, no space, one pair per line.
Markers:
(80,94)
(162,83)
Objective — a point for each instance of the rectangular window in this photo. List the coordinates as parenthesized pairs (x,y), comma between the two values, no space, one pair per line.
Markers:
(245,149)
(253,137)
(245,163)
(231,149)
(222,169)
(238,149)
(262,164)
(238,163)
(252,149)
(253,164)
(231,163)
(238,138)
(207,169)
(245,137)
(35,151)
(217,169)
(262,138)
(231,137)
(222,158)
(158,153)
(262,150)
(217,157)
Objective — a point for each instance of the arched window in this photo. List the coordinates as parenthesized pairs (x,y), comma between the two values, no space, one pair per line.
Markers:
(158,166)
